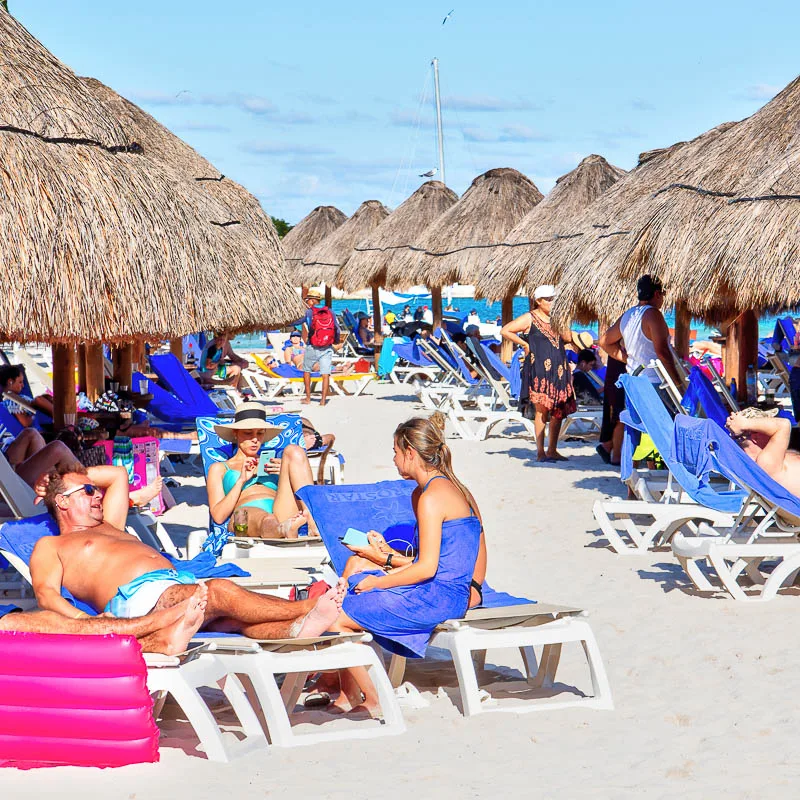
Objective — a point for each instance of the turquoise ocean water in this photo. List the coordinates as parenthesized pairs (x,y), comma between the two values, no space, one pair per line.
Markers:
(488,312)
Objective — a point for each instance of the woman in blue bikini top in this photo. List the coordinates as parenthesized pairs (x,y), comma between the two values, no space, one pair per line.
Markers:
(273,512)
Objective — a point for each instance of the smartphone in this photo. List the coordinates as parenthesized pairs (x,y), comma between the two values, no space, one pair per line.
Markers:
(263,461)
(355,537)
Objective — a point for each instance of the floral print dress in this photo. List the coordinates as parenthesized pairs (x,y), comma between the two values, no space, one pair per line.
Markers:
(549,377)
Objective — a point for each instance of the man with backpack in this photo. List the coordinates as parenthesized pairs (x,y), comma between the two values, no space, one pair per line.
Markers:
(320,333)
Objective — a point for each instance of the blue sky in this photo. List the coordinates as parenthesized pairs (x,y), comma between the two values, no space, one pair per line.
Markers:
(312,103)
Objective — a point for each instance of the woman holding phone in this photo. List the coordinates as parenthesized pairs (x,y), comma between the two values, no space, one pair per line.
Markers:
(265,487)
(402,602)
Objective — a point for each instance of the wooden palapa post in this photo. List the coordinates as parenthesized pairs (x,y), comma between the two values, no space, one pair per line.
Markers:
(95,374)
(683,323)
(506,315)
(436,302)
(123,359)
(81,359)
(64,401)
(740,350)
(328,296)
(176,348)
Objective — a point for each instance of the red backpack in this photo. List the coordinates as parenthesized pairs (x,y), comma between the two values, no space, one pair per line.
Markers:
(323,327)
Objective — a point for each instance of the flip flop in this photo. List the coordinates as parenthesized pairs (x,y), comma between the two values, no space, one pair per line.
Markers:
(603,453)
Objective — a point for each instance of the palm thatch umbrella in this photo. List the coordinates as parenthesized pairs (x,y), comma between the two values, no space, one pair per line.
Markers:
(372,257)
(517,258)
(458,245)
(587,256)
(308,233)
(325,260)
(718,224)
(101,242)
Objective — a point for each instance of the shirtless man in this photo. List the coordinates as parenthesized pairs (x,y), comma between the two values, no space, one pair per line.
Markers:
(114,572)
(766,441)
(165,631)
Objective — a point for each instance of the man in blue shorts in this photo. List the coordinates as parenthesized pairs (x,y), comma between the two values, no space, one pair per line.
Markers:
(320,333)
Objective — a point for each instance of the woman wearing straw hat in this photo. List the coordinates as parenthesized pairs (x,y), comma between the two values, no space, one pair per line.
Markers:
(272,510)
(549,384)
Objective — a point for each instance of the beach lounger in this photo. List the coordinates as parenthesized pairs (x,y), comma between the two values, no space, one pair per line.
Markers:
(766,531)
(288,379)
(503,621)
(213,450)
(635,526)
(175,378)
(258,662)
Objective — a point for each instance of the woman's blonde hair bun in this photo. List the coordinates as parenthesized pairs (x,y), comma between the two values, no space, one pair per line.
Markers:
(438,420)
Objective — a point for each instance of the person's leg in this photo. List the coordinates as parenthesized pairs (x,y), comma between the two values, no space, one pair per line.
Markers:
(552,443)
(261,616)
(295,473)
(233,376)
(354,681)
(166,630)
(356,564)
(325,358)
(616,443)
(25,444)
(309,357)
(539,423)
(51,455)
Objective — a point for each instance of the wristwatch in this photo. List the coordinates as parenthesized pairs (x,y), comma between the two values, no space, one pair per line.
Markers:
(388,564)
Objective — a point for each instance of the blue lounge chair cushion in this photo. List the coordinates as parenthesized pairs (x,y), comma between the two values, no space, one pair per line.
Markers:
(701,395)
(175,377)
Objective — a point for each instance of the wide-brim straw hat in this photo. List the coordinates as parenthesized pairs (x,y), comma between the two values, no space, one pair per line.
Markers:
(315,293)
(248,417)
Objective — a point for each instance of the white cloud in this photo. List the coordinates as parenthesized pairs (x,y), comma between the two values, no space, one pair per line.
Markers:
(761,91)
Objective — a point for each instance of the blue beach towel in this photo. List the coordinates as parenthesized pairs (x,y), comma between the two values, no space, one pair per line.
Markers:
(173,375)
(384,507)
(701,395)
(645,413)
(711,449)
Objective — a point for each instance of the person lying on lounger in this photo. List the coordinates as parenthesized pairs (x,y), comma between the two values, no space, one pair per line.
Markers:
(222,366)
(402,602)
(12,379)
(766,440)
(114,572)
(167,630)
(273,512)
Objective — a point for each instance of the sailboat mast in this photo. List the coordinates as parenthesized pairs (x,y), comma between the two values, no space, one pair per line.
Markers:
(439,137)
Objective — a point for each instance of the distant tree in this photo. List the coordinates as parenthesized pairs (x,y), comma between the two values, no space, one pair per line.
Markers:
(281,225)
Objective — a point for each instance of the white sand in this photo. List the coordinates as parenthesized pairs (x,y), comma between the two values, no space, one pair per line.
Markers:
(705,689)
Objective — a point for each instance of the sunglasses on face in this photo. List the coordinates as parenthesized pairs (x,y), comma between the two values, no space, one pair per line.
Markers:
(89,488)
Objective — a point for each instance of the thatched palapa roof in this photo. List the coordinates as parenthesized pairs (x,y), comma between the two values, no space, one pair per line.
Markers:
(722,228)
(517,259)
(331,254)
(373,257)
(458,245)
(587,256)
(103,242)
(308,233)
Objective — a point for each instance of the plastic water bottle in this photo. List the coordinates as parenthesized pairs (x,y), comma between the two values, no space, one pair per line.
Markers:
(752,385)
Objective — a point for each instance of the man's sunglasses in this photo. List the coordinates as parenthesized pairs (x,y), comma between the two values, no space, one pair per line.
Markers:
(89,488)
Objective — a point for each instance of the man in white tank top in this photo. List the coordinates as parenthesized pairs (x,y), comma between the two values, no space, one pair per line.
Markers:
(641,334)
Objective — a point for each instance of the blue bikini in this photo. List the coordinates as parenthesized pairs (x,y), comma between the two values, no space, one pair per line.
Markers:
(402,618)
(269,481)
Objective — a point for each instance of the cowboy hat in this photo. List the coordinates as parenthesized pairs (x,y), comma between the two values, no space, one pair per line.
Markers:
(315,293)
(248,417)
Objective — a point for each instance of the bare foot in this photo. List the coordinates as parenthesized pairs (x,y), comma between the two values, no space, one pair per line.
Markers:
(144,495)
(557,457)
(324,613)
(541,457)
(289,527)
(305,401)
(175,637)
(313,530)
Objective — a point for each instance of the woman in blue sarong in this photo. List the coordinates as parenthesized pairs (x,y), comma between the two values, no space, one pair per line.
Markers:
(401,603)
